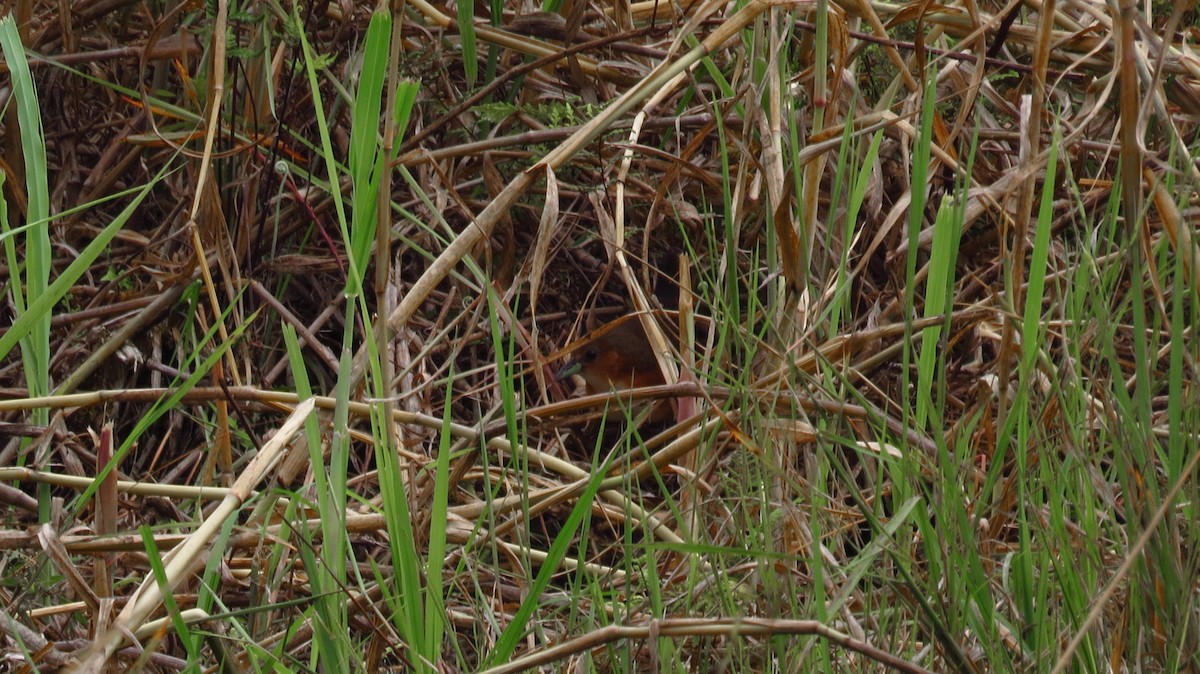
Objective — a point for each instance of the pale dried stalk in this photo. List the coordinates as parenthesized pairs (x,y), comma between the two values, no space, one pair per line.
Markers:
(180,561)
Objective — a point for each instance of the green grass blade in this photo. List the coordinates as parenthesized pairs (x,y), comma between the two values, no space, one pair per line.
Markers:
(42,306)
(366,159)
(513,632)
(466,37)
(35,349)
(939,287)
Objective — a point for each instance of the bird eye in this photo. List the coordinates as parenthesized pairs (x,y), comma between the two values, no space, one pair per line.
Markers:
(589,354)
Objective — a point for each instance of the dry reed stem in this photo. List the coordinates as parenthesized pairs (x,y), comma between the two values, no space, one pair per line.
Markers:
(1082,41)
(181,560)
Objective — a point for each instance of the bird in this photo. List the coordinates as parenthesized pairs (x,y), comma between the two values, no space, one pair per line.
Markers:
(617,357)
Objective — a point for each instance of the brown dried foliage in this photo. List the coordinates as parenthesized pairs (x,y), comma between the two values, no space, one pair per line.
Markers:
(627,204)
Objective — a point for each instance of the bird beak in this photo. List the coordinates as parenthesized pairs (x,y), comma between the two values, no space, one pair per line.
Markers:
(573,367)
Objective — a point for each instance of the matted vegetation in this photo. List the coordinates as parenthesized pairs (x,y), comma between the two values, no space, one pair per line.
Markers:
(286,288)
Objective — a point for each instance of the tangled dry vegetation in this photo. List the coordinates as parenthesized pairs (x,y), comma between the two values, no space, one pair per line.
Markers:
(923,277)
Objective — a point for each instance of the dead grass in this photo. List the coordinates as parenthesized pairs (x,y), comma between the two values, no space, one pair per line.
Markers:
(933,279)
